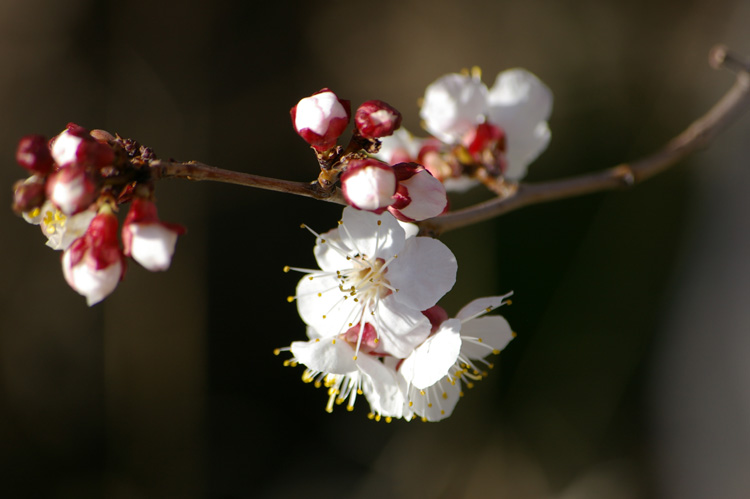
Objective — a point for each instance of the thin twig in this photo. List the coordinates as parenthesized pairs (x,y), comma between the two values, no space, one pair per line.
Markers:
(698,135)
(198,171)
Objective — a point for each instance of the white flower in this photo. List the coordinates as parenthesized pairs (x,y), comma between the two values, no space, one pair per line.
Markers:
(518,102)
(433,372)
(372,273)
(331,362)
(61,230)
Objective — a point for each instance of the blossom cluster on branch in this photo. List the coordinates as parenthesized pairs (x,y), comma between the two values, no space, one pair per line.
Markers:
(374,326)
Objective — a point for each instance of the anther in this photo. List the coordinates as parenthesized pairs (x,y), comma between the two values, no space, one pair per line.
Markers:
(286,268)
(290,299)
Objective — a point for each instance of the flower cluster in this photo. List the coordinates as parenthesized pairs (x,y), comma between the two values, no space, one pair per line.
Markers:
(78,180)
(374,326)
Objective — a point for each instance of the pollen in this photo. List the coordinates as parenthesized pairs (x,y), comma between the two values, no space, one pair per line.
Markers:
(350,408)
(286,268)
(388,419)
(290,299)
(276,351)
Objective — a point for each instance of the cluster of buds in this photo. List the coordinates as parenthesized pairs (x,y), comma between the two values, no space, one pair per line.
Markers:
(408,190)
(78,181)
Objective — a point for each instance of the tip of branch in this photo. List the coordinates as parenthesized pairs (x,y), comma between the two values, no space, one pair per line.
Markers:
(721,57)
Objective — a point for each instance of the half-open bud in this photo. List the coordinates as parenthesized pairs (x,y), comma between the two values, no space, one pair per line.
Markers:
(148,240)
(368,184)
(419,195)
(93,265)
(33,154)
(321,119)
(375,119)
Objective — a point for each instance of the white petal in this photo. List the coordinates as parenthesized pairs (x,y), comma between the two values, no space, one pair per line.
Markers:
(331,252)
(480,306)
(431,361)
(370,188)
(494,331)
(152,245)
(400,328)
(438,401)
(524,147)
(62,236)
(381,387)
(376,236)
(410,229)
(453,105)
(518,97)
(423,272)
(325,355)
(322,305)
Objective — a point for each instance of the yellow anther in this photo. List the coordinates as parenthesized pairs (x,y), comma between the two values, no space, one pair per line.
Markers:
(276,351)
(461,393)
(388,419)
(514,334)
(333,341)
(496,351)
(311,278)
(421,392)
(411,403)
(376,340)
(488,309)
(424,419)
(359,392)
(429,405)
(290,299)
(286,268)
(324,316)
(320,294)
(508,302)
(479,340)
(302,226)
(370,416)
(322,241)
(377,418)
(317,340)
(379,222)
(354,358)
(442,412)
(329,410)
(445,395)
(350,408)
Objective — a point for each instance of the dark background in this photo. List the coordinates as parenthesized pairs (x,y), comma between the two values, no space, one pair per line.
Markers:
(629,377)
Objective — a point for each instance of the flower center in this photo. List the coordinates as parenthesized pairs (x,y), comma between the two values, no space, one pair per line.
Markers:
(366,281)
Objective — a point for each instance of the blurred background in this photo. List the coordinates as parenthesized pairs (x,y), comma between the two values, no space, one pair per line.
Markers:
(628,379)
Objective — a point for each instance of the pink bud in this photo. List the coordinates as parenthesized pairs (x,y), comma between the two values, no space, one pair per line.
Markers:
(375,119)
(321,119)
(71,189)
(94,264)
(368,184)
(33,154)
(419,195)
(148,240)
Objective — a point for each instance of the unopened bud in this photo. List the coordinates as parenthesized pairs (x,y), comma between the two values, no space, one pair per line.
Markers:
(76,145)
(33,154)
(375,119)
(321,119)
(368,184)
(71,189)
(148,240)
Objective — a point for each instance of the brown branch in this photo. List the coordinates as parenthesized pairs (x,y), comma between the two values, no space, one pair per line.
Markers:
(198,171)
(698,135)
